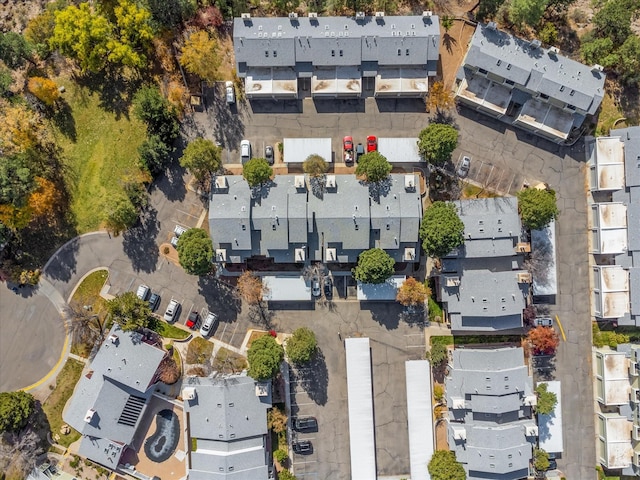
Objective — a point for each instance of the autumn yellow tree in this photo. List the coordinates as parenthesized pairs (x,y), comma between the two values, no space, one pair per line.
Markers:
(43,201)
(44,90)
(412,293)
(20,128)
(200,55)
(440,98)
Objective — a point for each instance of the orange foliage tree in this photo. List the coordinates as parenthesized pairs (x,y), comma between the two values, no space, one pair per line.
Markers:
(44,200)
(412,292)
(44,89)
(544,340)
(250,288)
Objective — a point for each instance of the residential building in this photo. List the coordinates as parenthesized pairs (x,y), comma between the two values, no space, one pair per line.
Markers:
(614,182)
(490,400)
(617,388)
(482,283)
(111,397)
(227,425)
(288,222)
(534,88)
(388,56)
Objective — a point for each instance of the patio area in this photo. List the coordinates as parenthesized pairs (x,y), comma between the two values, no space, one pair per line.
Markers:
(155,454)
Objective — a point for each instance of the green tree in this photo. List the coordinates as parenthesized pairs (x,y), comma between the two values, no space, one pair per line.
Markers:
(537,207)
(315,166)
(527,11)
(257,171)
(444,466)
(284,7)
(286,475)
(40,29)
(202,159)
(14,50)
(195,251)
(374,266)
(83,35)
(301,346)
(121,214)
(132,35)
(629,60)
(547,400)
(167,14)
(437,354)
(280,455)
(540,460)
(447,23)
(613,20)
(157,113)
(130,312)
(488,8)
(17,179)
(441,229)
(6,79)
(154,154)
(373,166)
(598,50)
(200,55)
(437,142)
(15,410)
(265,356)
(548,34)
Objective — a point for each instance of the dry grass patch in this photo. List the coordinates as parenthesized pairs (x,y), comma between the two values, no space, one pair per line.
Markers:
(53,406)
(227,361)
(199,351)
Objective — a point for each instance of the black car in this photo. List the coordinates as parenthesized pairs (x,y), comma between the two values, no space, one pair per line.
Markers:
(303,424)
(154,301)
(328,288)
(303,447)
(268,154)
(553,465)
(193,321)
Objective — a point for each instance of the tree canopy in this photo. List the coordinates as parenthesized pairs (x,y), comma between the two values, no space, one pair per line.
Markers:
(527,11)
(130,312)
(437,141)
(250,288)
(202,159)
(373,166)
(547,400)
(200,55)
(540,460)
(374,266)
(15,410)
(544,340)
(440,98)
(157,113)
(437,354)
(412,292)
(265,356)
(154,154)
(195,251)
(537,207)
(444,466)
(44,90)
(315,166)
(121,214)
(257,171)
(301,346)
(441,229)
(14,49)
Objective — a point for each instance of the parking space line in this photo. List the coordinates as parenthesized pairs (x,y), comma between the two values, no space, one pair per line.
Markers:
(187,213)
(415,346)
(306,462)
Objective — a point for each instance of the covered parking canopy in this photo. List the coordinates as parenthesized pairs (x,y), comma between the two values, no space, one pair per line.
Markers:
(297,150)
(419,417)
(286,288)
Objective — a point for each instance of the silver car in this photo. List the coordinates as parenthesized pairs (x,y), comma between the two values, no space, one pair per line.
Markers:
(209,324)
(230,92)
(245,151)
(171,313)
(143,292)
(463,169)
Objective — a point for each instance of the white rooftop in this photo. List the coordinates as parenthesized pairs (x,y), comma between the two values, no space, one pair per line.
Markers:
(615,377)
(550,426)
(609,161)
(387,290)
(419,417)
(612,299)
(619,449)
(610,222)
(399,150)
(545,240)
(269,82)
(297,150)
(282,288)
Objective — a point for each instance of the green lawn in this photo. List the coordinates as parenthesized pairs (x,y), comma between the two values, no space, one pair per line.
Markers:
(53,406)
(609,113)
(101,151)
(170,331)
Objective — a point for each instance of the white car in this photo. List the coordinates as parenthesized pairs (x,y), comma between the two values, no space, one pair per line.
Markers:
(315,287)
(230,92)
(143,292)
(245,151)
(209,324)
(463,169)
(171,313)
(179,230)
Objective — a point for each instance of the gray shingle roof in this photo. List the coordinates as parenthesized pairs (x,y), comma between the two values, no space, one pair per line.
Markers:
(496,381)
(229,210)
(537,69)
(335,41)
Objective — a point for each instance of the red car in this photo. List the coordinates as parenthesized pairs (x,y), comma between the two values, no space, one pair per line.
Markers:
(193,320)
(347,147)
(372,143)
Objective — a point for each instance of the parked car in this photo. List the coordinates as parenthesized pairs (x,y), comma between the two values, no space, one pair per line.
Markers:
(174,241)
(315,287)
(154,301)
(179,230)
(209,324)
(302,424)
(372,143)
(268,154)
(328,287)
(245,151)
(143,292)
(347,147)
(544,322)
(303,447)
(193,320)
(171,313)
(553,465)
(359,151)
(463,169)
(230,92)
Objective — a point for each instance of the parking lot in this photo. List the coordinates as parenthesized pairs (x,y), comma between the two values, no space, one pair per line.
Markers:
(488,176)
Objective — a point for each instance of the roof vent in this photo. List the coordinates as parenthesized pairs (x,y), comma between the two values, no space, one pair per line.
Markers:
(409,254)
(409,182)
(300,255)
(330,255)
(299,181)
(427,13)
(359,15)
(221,254)
(313,15)
(89,415)
(379,14)
(293,15)
(492,26)
(113,338)
(246,16)
(597,68)
(189,393)
(535,43)
(221,182)
(553,51)
(331,181)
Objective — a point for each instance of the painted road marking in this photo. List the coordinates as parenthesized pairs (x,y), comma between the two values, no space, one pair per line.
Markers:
(564,337)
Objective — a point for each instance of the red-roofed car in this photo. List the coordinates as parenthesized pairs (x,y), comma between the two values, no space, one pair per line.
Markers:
(372,143)
(347,147)
(193,320)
